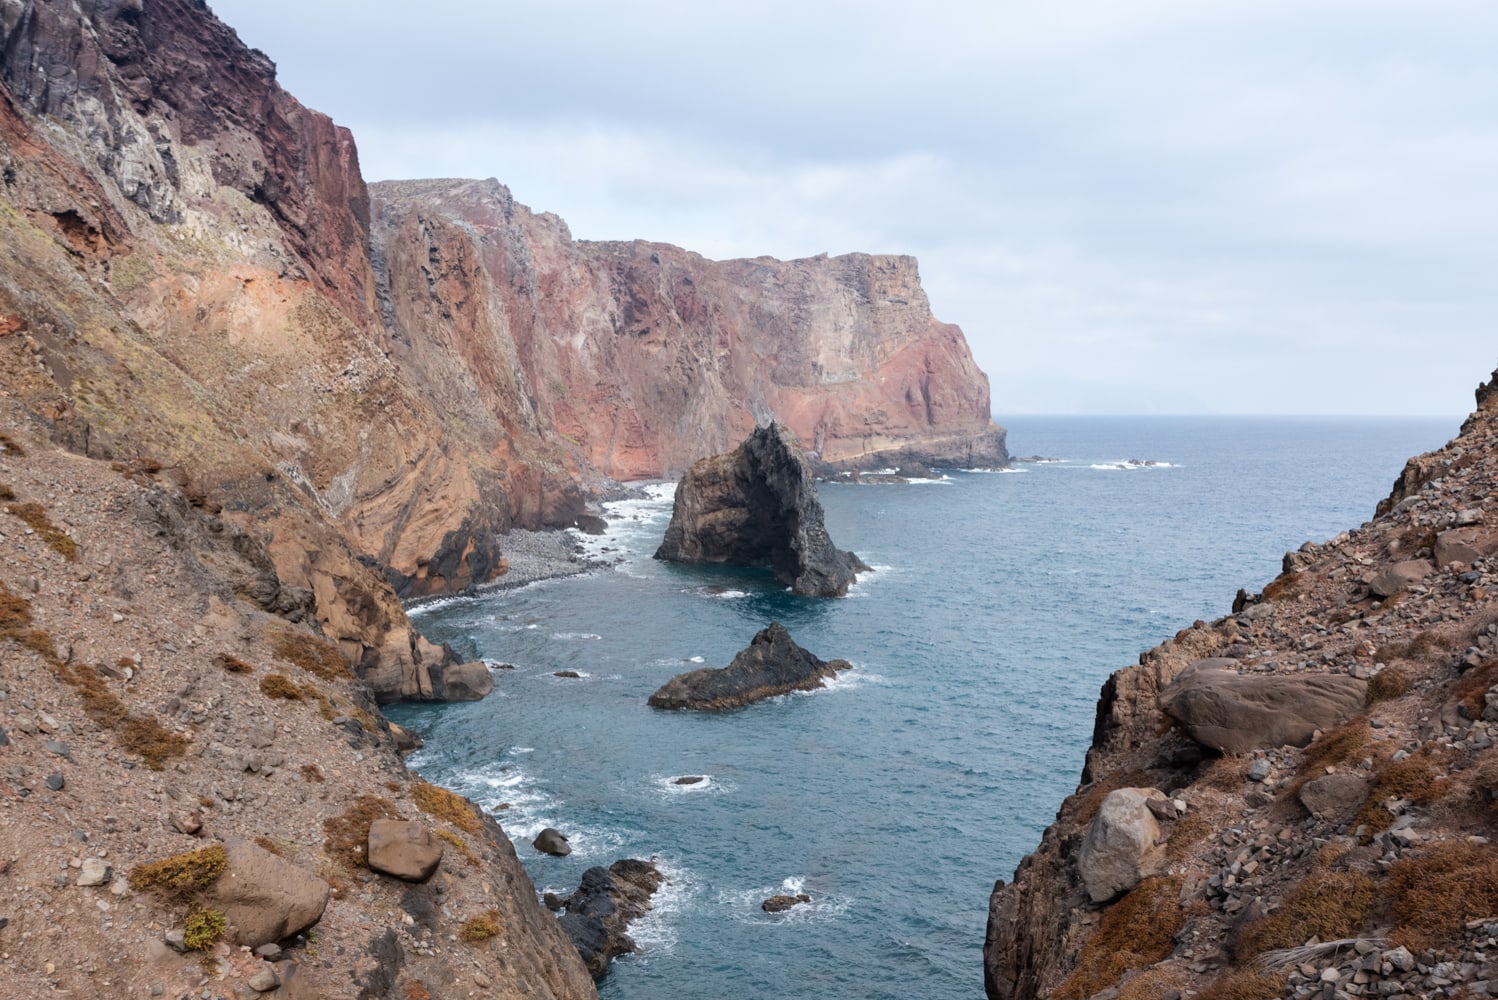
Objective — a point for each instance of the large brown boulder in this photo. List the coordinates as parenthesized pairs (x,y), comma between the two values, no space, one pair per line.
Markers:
(1121,846)
(758,506)
(1399,577)
(1336,796)
(265,898)
(403,848)
(1237,713)
(771,664)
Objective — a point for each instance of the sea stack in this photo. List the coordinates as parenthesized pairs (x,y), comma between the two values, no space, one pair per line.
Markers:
(757,506)
(772,664)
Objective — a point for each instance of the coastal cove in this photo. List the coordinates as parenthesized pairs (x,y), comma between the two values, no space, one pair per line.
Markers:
(999,604)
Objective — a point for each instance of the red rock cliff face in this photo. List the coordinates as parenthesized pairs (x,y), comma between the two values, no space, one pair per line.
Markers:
(646,357)
(385,394)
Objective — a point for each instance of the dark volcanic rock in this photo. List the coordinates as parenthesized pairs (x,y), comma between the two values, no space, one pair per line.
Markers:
(758,506)
(779,904)
(772,664)
(553,842)
(601,909)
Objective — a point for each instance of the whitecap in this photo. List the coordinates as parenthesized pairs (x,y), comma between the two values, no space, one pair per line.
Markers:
(576,636)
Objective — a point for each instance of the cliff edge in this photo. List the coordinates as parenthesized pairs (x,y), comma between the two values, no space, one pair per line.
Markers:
(1297,799)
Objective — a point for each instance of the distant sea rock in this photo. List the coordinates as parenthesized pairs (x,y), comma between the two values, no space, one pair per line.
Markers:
(757,506)
(772,664)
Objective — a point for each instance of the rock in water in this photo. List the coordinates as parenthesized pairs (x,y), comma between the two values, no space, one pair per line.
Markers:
(758,506)
(772,664)
(603,906)
(553,842)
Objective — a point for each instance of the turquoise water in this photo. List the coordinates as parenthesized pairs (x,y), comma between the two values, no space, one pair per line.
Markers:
(999,604)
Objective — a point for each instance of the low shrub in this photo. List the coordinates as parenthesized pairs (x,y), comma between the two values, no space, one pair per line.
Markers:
(314,655)
(445,805)
(1245,984)
(1415,778)
(233,664)
(1388,684)
(348,833)
(181,876)
(1325,905)
(280,686)
(1435,892)
(1137,931)
(480,928)
(203,929)
(35,516)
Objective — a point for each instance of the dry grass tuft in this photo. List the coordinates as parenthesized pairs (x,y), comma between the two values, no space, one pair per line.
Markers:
(348,834)
(267,844)
(446,806)
(9,446)
(1435,892)
(415,991)
(6,493)
(1472,687)
(1226,774)
(233,664)
(181,876)
(314,655)
(1339,746)
(1325,905)
(35,515)
(459,844)
(1189,831)
(1423,647)
(480,928)
(280,686)
(1137,931)
(1152,984)
(1284,587)
(312,774)
(1245,984)
(1415,778)
(1388,684)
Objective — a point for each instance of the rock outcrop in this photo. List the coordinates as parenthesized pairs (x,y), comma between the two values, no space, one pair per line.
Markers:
(770,665)
(757,506)
(1356,699)
(597,916)
(1236,713)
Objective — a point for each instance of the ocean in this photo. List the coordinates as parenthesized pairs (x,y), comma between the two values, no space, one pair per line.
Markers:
(999,604)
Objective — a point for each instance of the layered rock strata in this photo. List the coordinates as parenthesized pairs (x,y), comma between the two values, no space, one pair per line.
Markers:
(772,664)
(195,279)
(758,506)
(1342,847)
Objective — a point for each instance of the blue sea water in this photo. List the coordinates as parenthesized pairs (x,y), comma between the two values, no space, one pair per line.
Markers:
(894,798)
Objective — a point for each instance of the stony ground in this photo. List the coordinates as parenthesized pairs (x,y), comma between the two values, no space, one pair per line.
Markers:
(1360,865)
(142,719)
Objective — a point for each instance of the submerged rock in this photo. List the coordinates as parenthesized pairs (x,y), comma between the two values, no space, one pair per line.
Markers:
(779,904)
(758,506)
(772,664)
(605,903)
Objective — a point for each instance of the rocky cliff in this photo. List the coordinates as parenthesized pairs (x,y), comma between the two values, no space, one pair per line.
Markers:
(381,388)
(1297,799)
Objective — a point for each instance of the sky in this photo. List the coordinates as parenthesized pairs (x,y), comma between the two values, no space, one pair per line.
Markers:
(1129,206)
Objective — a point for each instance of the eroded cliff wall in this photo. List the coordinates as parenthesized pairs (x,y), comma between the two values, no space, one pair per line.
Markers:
(1284,843)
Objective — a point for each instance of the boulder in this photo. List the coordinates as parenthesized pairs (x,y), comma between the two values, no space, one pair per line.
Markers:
(265,898)
(404,849)
(461,682)
(1399,577)
(1463,545)
(606,901)
(758,506)
(1120,846)
(1237,713)
(1335,797)
(771,664)
(553,842)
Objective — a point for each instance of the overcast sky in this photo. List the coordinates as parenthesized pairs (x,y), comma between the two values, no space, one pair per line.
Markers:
(1129,206)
